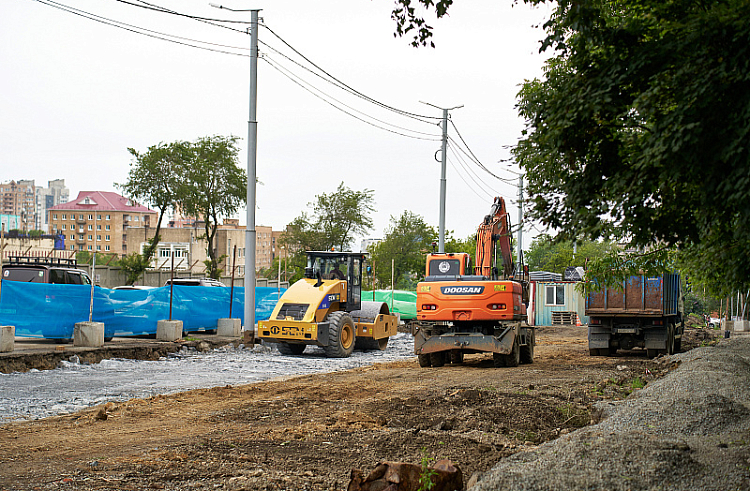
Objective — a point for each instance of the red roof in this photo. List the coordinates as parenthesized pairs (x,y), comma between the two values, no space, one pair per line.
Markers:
(102,201)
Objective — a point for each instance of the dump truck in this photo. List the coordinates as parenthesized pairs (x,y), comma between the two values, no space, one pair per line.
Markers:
(643,312)
(460,311)
(325,308)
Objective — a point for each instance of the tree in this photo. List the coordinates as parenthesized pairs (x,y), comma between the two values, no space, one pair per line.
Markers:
(407,241)
(546,254)
(153,178)
(639,128)
(336,219)
(212,186)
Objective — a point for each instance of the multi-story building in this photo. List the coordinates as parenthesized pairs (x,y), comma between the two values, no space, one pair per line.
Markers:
(46,198)
(18,198)
(99,220)
(183,238)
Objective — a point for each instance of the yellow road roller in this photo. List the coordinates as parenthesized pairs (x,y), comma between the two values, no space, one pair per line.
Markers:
(325,308)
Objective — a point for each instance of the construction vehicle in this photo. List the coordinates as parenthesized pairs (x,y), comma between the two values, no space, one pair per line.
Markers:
(325,308)
(643,312)
(460,313)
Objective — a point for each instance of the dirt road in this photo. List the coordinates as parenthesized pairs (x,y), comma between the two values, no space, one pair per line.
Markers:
(309,432)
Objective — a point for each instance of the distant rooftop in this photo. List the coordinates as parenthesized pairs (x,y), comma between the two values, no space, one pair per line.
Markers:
(102,201)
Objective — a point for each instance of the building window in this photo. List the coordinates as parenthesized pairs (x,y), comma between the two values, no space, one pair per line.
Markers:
(555,295)
(164,252)
(64,226)
(106,237)
(106,227)
(106,248)
(98,237)
(91,227)
(98,248)
(98,217)
(98,227)
(72,237)
(54,216)
(90,237)
(91,217)
(107,217)
(64,217)
(72,248)
(89,247)
(80,217)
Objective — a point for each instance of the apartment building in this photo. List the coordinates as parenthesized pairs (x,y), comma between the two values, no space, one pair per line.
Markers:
(45,198)
(99,220)
(18,198)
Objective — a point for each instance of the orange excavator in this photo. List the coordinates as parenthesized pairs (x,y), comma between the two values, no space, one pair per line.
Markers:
(459,312)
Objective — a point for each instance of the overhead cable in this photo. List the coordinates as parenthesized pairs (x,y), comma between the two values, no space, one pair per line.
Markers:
(474,157)
(301,83)
(350,89)
(140,30)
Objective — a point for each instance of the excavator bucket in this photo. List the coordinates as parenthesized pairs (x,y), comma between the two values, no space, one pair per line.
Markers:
(399,476)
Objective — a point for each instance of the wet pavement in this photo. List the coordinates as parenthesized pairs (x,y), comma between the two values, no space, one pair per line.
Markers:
(74,385)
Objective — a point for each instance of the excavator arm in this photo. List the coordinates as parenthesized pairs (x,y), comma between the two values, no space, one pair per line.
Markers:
(494,231)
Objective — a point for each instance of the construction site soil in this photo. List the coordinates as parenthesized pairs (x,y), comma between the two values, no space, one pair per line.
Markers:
(309,432)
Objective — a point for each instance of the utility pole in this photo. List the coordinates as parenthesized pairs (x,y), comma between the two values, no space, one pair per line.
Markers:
(443,161)
(520,220)
(252,149)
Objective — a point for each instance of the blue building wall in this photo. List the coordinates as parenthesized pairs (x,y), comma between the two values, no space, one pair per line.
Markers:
(10,222)
(570,300)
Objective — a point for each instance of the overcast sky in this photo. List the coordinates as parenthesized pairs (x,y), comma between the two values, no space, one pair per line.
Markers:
(76,93)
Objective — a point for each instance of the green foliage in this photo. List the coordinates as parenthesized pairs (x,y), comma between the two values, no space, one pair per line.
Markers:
(211,186)
(407,241)
(546,254)
(639,129)
(133,266)
(612,269)
(336,219)
(427,474)
(407,20)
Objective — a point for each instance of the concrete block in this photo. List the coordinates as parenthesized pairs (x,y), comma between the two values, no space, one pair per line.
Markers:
(7,338)
(167,330)
(88,334)
(741,326)
(229,327)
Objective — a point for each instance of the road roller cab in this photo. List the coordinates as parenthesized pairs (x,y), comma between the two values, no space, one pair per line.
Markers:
(325,309)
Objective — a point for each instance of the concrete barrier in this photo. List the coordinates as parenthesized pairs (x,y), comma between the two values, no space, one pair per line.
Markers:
(88,334)
(7,338)
(229,327)
(741,326)
(167,330)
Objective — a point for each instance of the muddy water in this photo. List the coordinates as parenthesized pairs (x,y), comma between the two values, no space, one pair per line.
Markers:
(75,386)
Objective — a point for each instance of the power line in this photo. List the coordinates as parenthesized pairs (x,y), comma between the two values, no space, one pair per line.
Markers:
(350,89)
(138,30)
(157,8)
(471,155)
(302,83)
(478,183)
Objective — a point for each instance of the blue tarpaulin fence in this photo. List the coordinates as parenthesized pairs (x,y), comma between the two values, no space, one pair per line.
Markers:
(51,311)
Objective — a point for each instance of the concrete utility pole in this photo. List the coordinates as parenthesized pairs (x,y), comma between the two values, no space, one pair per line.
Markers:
(520,220)
(443,161)
(252,150)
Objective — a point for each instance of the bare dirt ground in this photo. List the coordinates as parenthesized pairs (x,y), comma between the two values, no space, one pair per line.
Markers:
(309,432)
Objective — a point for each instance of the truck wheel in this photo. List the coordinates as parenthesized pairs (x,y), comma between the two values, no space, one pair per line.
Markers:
(457,357)
(527,351)
(514,358)
(289,349)
(437,359)
(341,335)
(424,360)
(498,360)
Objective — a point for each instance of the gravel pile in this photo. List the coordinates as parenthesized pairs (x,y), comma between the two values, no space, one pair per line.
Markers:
(688,430)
